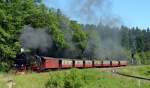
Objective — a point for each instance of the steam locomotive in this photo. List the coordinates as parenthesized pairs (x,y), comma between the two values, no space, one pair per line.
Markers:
(25,61)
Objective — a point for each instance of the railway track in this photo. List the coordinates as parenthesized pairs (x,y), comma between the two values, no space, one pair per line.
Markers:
(115,71)
(131,76)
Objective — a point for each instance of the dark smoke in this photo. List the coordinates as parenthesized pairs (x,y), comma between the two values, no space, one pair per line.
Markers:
(110,43)
(33,38)
(104,42)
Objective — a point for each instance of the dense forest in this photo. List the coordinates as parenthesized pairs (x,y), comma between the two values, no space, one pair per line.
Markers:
(32,25)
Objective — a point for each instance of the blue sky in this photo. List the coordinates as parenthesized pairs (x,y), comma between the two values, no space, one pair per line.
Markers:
(131,12)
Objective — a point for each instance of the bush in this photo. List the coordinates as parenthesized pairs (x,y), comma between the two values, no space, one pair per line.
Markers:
(55,81)
(4,66)
(73,78)
(69,79)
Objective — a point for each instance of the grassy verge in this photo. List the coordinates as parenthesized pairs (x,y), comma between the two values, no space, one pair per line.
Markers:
(142,71)
(74,78)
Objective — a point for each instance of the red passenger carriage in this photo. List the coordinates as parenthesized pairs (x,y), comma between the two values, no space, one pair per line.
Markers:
(114,63)
(123,63)
(50,63)
(97,63)
(78,63)
(66,63)
(106,63)
(88,63)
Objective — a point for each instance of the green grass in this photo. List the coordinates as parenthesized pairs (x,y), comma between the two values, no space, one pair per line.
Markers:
(74,78)
(2,82)
(33,80)
(142,71)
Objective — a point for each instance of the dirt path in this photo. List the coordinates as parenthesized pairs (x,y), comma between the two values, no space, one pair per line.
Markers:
(7,81)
